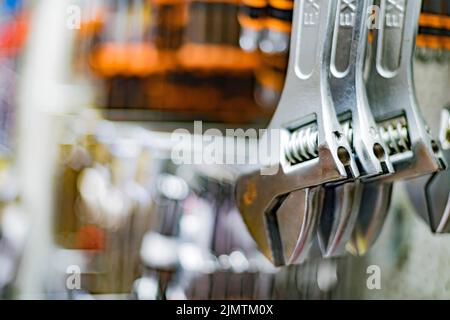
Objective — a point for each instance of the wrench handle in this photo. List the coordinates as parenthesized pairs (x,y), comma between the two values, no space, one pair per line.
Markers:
(308,40)
(395,42)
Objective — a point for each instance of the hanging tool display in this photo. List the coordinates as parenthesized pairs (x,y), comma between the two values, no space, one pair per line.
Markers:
(371,130)
(280,213)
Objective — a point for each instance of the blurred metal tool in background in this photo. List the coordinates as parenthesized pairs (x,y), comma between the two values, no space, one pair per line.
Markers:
(281,217)
(161,245)
(346,73)
(212,256)
(14,229)
(393,103)
(274,53)
(209,254)
(251,16)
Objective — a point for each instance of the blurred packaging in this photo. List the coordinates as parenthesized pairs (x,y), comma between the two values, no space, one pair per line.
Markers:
(433,40)
(13,33)
(13,221)
(179,59)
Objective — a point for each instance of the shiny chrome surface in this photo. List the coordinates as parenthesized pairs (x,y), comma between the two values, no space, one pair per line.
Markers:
(306,100)
(391,94)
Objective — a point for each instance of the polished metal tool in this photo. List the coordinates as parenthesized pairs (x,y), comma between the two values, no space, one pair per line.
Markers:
(280,216)
(392,99)
(346,74)
(430,194)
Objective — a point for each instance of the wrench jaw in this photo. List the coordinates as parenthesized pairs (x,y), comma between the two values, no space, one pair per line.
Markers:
(343,201)
(259,198)
(430,194)
(292,227)
(376,195)
(371,217)
(338,218)
(283,231)
(438,188)
(438,202)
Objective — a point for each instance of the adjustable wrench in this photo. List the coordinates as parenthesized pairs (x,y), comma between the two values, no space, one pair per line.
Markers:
(392,99)
(430,194)
(280,216)
(346,74)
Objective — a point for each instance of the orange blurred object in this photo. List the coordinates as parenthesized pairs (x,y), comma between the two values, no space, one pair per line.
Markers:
(92,26)
(215,58)
(138,59)
(13,35)
(90,237)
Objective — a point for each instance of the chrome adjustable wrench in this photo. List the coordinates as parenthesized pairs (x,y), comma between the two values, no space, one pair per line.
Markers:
(392,99)
(346,74)
(281,217)
(430,194)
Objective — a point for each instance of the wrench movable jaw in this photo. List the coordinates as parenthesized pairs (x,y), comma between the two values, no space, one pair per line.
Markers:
(438,188)
(372,215)
(430,194)
(291,228)
(376,198)
(417,192)
(438,201)
(338,217)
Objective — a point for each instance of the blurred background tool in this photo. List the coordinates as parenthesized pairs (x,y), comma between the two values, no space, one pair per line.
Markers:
(14,224)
